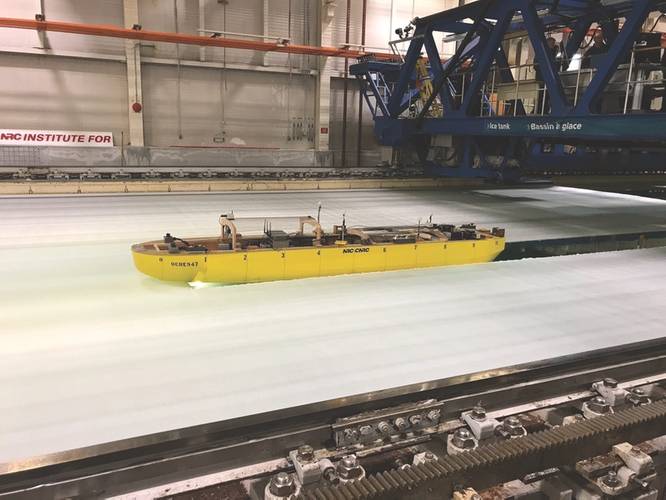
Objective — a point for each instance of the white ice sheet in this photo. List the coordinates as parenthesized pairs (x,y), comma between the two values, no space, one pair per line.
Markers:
(93,352)
(527,214)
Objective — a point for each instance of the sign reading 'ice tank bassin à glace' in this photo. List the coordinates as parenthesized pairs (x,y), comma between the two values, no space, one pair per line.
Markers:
(532,127)
(571,127)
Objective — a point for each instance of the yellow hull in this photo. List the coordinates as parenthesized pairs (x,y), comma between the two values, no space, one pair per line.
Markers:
(233,267)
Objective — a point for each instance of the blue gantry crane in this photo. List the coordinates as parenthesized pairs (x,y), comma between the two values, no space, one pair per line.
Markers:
(567,108)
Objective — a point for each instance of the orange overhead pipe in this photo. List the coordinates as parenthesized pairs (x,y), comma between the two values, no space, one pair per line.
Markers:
(158,36)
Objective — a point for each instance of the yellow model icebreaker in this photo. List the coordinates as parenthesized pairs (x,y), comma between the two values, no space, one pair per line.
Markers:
(233,258)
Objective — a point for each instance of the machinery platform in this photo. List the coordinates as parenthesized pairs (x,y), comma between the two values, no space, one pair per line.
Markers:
(94,352)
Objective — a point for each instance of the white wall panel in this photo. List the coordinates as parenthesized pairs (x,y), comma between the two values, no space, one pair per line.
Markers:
(303,29)
(41,92)
(383,17)
(75,11)
(158,15)
(255,107)
(383,21)
(242,16)
(68,93)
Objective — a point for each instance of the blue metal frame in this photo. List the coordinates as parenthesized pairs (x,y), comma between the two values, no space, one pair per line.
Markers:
(485,59)
(437,69)
(493,20)
(550,75)
(619,50)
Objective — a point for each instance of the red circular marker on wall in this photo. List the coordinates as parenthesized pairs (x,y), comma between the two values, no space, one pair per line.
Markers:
(137,107)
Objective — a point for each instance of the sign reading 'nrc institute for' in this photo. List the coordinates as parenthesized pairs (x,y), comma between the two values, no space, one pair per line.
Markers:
(15,137)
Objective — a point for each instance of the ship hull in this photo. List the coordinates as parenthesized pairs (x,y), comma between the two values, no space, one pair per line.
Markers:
(236,267)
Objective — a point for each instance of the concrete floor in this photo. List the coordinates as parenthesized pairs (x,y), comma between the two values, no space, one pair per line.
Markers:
(94,351)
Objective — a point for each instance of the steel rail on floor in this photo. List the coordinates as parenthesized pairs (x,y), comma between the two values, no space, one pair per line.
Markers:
(269,436)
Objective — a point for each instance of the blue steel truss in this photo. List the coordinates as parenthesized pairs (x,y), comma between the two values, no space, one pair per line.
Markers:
(391,88)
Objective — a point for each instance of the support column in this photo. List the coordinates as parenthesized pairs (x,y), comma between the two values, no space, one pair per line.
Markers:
(323,94)
(266,28)
(131,17)
(43,37)
(202,26)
